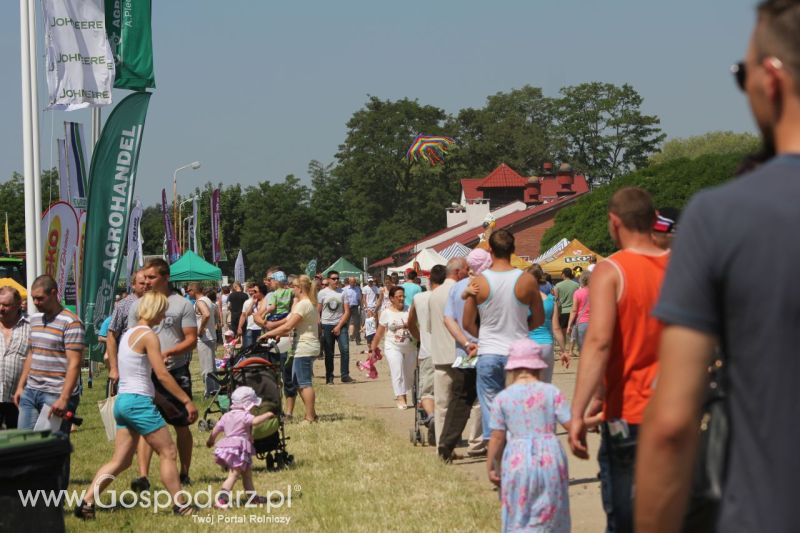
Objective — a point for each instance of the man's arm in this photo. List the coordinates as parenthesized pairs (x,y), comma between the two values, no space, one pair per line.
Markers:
(23,377)
(205,315)
(470,318)
(668,439)
(186,345)
(596,350)
(413,327)
(59,406)
(345,317)
(260,313)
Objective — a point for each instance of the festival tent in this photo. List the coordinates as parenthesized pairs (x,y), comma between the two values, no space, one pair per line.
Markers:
(551,252)
(9,282)
(345,269)
(192,267)
(426,259)
(455,250)
(575,254)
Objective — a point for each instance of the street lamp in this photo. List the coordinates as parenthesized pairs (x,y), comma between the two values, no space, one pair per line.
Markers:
(175,216)
(180,214)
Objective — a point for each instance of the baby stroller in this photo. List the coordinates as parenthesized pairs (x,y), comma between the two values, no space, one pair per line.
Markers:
(423,425)
(256,366)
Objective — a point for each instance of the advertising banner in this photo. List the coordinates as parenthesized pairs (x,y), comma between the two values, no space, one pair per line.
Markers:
(60,233)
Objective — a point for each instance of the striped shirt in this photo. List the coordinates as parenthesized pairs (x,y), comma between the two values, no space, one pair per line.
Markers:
(12,357)
(49,344)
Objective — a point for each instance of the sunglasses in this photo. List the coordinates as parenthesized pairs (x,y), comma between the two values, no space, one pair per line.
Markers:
(334,279)
(739,72)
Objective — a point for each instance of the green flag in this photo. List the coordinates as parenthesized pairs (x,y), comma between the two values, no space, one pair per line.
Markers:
(111,181)
(131,38)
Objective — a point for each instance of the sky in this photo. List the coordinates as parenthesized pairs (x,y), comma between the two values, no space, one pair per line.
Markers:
(254,90)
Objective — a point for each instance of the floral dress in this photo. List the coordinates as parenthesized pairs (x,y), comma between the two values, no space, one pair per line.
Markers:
(235,450)
(534,478)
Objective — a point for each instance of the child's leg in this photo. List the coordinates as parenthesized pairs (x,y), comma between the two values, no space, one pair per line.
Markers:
(247,479)
(228,484)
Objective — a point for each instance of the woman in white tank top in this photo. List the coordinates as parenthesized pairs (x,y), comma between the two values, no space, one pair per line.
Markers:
(134,411)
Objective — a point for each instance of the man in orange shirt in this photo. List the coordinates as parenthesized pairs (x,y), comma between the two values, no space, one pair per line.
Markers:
(619,356)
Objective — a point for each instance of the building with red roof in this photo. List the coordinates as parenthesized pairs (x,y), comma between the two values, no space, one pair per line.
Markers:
(526,206)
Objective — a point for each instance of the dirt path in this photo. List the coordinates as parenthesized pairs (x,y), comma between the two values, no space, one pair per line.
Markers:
(584,490)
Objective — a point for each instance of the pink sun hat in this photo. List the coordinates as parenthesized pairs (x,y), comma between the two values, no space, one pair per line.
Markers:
(524,353)
(244,398)
(479,260)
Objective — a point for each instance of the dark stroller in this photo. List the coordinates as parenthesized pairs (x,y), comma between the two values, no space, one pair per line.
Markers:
(256,366)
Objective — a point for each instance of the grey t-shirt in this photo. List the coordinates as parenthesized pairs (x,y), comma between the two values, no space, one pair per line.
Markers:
(332,305)
(180,314)
(727,238)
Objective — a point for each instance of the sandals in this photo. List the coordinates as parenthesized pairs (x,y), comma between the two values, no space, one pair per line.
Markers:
(84,511)
(184,510)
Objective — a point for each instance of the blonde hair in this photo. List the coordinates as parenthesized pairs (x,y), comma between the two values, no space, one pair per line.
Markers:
(151,305)
(308,287)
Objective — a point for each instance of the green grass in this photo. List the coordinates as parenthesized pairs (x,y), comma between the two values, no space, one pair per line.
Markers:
(351,473)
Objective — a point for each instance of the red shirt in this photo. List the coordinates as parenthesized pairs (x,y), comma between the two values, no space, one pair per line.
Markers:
(633,362)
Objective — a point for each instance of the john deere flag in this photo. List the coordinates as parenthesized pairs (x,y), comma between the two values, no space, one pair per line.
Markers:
(112,177)
(80,67)
(131,38)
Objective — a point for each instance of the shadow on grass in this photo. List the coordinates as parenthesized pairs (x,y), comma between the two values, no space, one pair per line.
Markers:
(338,417)
(583,481)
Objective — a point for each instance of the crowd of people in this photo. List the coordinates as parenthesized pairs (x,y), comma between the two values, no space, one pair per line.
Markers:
(648,324)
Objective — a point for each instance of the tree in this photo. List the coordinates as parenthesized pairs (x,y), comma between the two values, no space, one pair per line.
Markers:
(12,200)
(516,128)
(671,185)
(713,142)
(383,194)
(604,131)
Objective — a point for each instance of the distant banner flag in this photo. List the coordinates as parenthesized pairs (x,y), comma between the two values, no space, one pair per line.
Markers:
(430,149)
(130,34)
(238,268)
(172,244)
(311,268)
(79,62)
(195,223)
(61,233)
(76,164)
(8,241)
(134,240)
(113,178)
(215,244)
(78,261)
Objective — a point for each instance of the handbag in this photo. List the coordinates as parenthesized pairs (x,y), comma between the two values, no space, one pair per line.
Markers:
(711,464)
(107,416)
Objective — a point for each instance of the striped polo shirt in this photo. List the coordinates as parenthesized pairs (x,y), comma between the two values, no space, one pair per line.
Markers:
(50,341)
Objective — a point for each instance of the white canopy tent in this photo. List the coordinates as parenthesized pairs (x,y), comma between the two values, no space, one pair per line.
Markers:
(427,259)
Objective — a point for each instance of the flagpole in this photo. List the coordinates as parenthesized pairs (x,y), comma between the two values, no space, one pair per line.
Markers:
(34,110)
(31,220)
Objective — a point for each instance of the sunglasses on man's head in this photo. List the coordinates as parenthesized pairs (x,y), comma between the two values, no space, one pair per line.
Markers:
(739,72)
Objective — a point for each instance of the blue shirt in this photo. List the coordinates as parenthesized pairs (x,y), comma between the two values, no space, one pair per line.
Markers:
(104,327)
(352,295)
(544,333)
(455,310)
(409,291)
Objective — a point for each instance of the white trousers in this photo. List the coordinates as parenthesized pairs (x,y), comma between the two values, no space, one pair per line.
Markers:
(401,368)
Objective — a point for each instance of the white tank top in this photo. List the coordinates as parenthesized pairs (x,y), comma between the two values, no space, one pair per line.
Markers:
(504,318)
(134,367)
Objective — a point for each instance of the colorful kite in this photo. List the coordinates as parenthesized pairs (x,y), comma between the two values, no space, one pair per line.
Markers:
(429,148)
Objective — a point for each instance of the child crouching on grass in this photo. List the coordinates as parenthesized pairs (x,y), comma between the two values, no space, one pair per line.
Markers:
(235,451)
(533,475)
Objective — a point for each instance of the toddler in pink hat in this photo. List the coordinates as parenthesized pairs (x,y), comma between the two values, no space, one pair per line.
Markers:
(525,457)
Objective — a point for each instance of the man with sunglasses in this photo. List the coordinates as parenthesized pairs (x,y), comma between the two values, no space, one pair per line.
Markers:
(334,314)
(708,299)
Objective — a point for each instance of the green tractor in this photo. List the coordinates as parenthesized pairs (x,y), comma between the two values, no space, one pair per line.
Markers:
(14,268)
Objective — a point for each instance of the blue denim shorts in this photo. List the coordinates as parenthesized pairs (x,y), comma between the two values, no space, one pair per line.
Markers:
(303,370)
(138,413)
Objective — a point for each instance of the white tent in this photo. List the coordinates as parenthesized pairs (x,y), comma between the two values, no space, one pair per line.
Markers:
(427,259)
(455,250)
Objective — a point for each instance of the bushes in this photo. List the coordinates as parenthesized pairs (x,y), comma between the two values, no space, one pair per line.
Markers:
(671,184)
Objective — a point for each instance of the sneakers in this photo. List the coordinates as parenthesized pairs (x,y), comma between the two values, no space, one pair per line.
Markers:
(185,480)
(477,453)
(140,484)
(184,510)
(347,379)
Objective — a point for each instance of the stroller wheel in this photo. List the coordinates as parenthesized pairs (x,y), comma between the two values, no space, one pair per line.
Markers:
(270,463)
(289,459)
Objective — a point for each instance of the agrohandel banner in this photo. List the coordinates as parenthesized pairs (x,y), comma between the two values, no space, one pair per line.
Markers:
(80,66)
(111,184)
(61,232)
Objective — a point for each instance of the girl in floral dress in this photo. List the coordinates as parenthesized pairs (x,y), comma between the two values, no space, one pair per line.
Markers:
(533,474)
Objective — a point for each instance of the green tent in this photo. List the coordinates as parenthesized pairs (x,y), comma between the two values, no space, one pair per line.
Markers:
(345,269)
(192,267)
